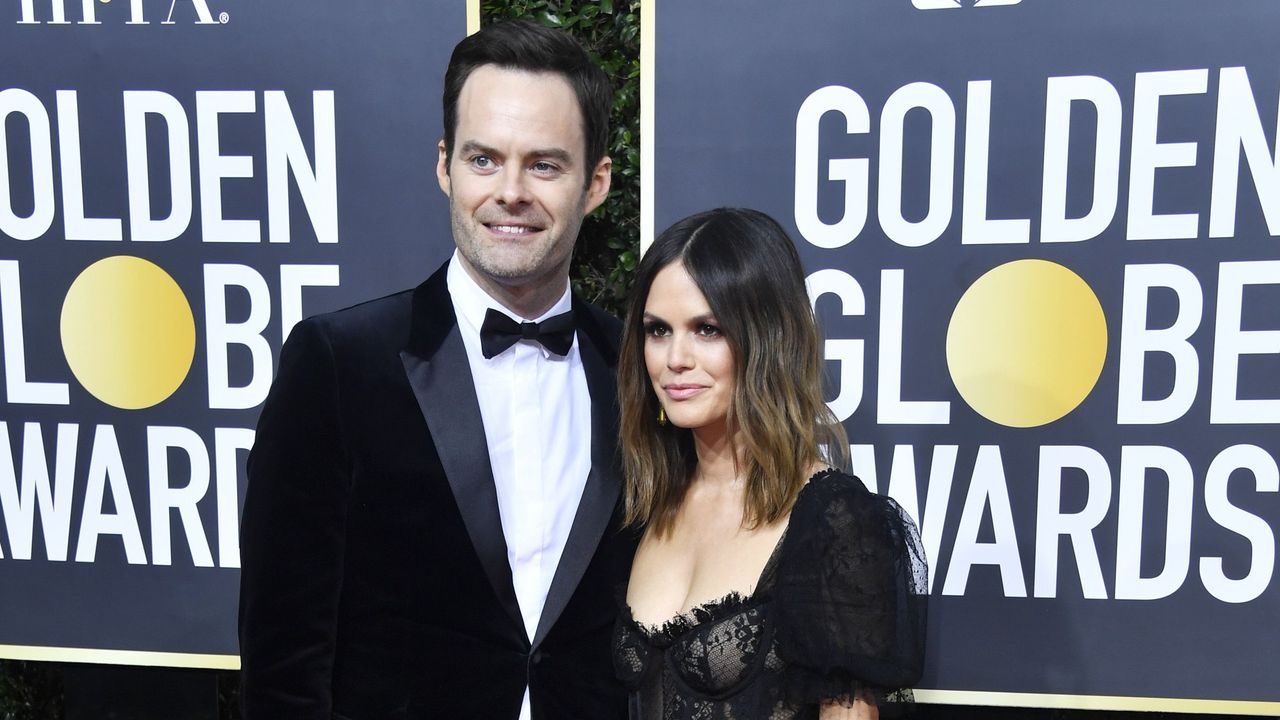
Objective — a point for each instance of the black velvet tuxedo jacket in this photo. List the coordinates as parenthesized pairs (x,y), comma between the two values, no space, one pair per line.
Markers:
(375,582)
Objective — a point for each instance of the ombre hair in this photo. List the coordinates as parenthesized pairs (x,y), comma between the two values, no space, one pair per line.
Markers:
(748,270)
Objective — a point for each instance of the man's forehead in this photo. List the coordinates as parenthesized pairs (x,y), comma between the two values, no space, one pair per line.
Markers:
(532,103)
(514,71)
(491,75)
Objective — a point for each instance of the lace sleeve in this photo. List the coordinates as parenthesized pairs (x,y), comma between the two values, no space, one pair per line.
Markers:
(851,594)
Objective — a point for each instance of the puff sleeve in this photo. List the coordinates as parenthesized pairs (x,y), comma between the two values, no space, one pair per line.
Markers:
(851,595)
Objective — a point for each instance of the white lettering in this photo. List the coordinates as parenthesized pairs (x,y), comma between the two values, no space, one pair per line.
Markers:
(988,489)
(142,226)
(215,167)
(853,172)
(1061,92)
(891,408)
(942,151)
(1239,127)
(76,224)
(976,227)
(1146,155)
(1245,524)
(1137,341)
(1134,463)
(1052,523)
(292,279)
(1231,341)
(227,446)
(849,353)
(202,13)
(318,184)
(19,499)
(106,469)
(22,102)
(17,388)
(165,498)
(221,334)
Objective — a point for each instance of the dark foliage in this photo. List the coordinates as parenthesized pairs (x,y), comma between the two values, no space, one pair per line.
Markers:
(609,244)
(30,690)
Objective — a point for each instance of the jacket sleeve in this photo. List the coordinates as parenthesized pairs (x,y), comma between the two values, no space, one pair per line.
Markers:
(292,536)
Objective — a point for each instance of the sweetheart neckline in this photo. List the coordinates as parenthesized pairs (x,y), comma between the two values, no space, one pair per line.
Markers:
(713,609)
(708,610)
(705,613)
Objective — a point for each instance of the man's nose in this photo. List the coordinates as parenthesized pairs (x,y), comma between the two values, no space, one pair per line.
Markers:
(513,188)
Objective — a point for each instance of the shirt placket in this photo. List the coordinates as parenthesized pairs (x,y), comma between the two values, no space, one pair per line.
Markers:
(530,510)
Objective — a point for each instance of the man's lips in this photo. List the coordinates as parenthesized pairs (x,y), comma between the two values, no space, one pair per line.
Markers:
(515,229)
(683,392)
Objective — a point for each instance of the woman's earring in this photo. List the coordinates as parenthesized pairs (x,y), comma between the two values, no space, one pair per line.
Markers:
(662,415)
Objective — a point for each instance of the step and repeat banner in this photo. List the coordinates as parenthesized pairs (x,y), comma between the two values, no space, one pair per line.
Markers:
(180,182)
(1041,237)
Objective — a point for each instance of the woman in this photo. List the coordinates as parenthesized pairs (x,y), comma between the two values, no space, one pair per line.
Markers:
(768,585)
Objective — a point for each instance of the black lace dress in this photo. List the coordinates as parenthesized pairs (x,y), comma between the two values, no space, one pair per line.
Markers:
(839,609)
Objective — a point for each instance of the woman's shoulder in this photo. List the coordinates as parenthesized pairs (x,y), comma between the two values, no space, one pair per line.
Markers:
(837,504)
(831,489)
(830,479)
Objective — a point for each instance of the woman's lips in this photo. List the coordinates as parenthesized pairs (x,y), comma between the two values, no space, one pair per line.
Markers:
(683,392)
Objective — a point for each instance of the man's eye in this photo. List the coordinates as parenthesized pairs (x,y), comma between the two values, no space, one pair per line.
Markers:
(482,162)
(545,167)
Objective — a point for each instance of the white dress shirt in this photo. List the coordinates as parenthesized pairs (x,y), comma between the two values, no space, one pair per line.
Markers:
(537,425)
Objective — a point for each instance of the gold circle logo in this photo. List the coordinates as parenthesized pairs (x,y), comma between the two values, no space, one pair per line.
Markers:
(1026,343)
(128,332)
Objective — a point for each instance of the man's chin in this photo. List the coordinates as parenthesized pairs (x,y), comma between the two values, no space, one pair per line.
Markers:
(517,275)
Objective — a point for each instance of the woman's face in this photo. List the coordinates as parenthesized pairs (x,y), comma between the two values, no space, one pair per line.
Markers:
(686,353)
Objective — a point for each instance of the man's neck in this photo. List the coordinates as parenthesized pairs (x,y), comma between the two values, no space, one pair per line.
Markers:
(529,300)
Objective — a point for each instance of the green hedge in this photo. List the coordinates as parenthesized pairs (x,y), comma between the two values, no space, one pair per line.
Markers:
(609,244)
(30,691)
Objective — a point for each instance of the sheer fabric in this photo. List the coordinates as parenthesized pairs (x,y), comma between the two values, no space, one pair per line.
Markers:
(840,609)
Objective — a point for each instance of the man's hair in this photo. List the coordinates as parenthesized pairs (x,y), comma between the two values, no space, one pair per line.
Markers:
(748,270)
(527,46)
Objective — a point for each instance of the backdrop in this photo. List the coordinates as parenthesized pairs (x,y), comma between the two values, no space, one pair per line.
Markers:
(180,182)
(1041,241)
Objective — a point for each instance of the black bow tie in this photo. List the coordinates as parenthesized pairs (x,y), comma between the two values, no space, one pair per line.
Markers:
(500,332)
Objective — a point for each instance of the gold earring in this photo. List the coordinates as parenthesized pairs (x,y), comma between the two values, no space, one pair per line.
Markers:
(662,415)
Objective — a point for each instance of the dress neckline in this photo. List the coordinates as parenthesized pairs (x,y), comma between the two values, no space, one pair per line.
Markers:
(728,604)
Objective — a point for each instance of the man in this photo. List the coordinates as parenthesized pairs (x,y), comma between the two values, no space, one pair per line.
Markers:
(431,528)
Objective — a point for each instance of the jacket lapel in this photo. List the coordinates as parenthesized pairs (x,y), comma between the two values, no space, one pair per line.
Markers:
(435,361)
(600,496)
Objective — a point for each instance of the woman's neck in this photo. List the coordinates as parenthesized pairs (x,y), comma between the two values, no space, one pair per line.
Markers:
(717,456)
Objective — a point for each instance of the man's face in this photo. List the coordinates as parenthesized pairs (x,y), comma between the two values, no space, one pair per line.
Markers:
(517,183)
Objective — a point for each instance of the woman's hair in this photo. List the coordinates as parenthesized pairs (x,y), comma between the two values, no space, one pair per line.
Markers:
(749,271)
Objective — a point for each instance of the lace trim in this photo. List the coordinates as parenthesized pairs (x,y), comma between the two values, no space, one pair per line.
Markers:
(825,472)
(708,612)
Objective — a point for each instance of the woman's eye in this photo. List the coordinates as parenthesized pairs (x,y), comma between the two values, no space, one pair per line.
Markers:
(708,330)
(656,330)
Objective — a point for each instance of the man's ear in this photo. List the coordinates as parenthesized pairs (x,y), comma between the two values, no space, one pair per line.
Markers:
(442,169)
(598,187)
